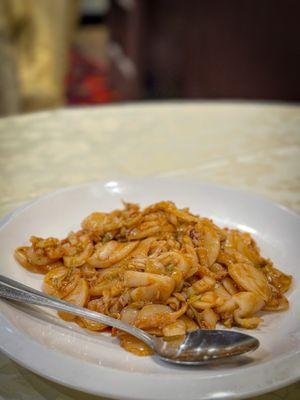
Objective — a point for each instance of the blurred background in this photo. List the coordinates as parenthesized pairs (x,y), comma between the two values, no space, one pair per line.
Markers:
(56,53)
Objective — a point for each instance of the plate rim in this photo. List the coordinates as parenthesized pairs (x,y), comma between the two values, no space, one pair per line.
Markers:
(14,213)
(6,218)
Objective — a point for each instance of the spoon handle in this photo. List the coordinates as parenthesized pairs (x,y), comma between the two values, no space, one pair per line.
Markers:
(13,290)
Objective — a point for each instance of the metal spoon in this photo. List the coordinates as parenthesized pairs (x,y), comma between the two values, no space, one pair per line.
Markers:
(194,348)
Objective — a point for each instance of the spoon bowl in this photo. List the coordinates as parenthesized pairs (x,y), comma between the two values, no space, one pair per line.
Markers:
(202,346)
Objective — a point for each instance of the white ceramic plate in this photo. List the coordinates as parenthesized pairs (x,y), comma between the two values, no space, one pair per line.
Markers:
(94,362)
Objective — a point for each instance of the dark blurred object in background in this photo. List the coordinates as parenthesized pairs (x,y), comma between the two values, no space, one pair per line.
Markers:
(87,79)
(57,52)
(205,49)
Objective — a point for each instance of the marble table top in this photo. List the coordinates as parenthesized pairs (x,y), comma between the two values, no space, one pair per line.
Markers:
(252,146)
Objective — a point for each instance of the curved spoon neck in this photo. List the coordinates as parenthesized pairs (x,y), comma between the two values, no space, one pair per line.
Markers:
(12,290)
